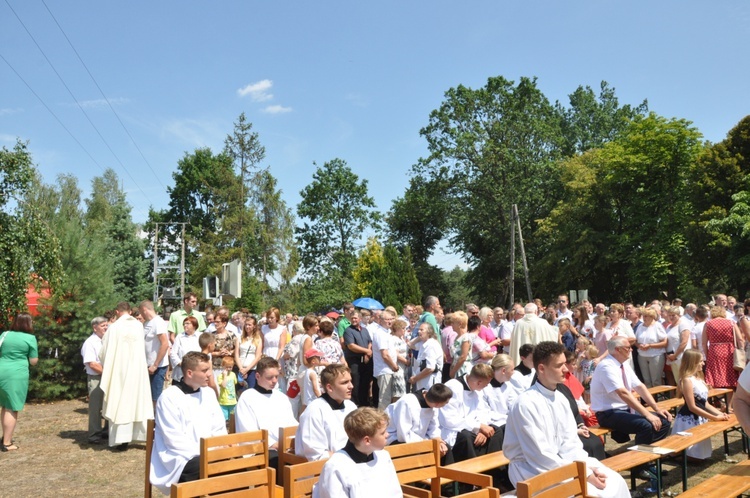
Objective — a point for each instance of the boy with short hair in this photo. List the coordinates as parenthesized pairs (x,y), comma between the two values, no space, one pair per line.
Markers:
(362,469)
(414,417)
(321,427)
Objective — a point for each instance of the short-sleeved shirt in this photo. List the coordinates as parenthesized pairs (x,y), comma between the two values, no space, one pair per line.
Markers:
(152,330)
(90,352)
(381,340)
(177,318)
(606,380)
(359,337)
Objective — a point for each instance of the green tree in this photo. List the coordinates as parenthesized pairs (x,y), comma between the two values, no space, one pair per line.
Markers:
(734,232)
(109,214)
(85,290)
(31,253)
(493,147)
(620,227)
(335,212)
(720,173)
(386,275)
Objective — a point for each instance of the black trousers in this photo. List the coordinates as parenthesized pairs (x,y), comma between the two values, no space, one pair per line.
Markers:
(361,378)
(192,470)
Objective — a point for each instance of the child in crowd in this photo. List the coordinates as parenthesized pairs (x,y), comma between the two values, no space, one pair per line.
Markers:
(207,342)
(362,468)
(586,366)
(566,334)
(227,387)
(695,411)
(310,378)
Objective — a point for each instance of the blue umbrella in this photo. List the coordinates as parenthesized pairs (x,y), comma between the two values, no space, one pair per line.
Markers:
(368,303)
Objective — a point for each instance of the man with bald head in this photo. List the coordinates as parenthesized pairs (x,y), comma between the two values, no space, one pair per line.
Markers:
(530,329)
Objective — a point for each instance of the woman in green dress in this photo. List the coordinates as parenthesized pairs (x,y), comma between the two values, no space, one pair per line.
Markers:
(17,351)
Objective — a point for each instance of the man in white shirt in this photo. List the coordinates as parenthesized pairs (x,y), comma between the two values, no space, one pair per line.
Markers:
(562,308)
(541,433)
(265,407)
(384,357)
(614,404)
(90,352)
(321,427)
(156,337)
(186,412)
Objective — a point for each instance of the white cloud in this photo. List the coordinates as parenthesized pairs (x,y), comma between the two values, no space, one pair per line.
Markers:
(276,109)
(257,91)
(8,111)
(194,132)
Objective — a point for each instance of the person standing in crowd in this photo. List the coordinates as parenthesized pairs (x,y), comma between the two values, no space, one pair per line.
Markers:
(156,338)
(225,345)
(93,365)
(358,354)
(651,339)
(127,391)
(720,335)
(530,330)
(249,351)
(18,350)
(274,335)
(177,318)
(186,341)
(345,321)
(384,359)
(430,365)
(563,311)
(186,412)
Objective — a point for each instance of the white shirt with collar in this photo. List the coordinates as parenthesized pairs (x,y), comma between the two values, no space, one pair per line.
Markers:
(607,379)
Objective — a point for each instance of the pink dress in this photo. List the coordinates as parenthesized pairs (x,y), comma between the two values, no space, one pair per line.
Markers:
(719,358)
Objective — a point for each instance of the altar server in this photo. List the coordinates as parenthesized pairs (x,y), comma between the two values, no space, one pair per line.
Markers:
(414,417)
(185,412)
(265,407)
(321,427)
(362,469)
(540,434)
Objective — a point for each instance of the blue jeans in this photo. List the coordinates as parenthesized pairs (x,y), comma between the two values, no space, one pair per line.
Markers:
(633,423)
(157,382)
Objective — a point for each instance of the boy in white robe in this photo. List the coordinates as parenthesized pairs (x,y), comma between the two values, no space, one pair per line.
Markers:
(541,435)
(321,427)
(265,407)
(466,421)
(185,412)
(414,417)
(362,469)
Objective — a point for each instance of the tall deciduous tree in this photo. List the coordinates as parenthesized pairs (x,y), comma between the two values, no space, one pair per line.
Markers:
(30,251)
(335,211)
(493,147)
(619,231)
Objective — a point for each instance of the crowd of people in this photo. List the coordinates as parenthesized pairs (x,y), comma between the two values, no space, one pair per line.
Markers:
(530,382)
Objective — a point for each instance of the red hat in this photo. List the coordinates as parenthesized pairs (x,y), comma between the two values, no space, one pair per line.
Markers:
(313,353)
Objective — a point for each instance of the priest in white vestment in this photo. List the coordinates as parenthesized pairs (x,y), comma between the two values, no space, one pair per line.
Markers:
(530,330)
(125,382)
(541,433)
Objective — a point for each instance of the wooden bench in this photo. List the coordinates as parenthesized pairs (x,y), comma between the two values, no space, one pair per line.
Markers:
(420,461)
(568,480)
(629,460)
(253,484)
(731,482)
(665,389)
(698,433)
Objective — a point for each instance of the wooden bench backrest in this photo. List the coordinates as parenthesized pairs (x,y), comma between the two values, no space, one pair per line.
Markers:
(554,483)
(416,462)
(299,479)
(150,428)
(233,453)
(259,483)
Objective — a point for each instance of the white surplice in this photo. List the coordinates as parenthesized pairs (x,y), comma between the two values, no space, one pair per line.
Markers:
(321,428)
(411,420)
(541,435)
(181,421)
(272,411)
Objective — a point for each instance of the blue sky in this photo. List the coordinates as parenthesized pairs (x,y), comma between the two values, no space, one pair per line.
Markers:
(320,80)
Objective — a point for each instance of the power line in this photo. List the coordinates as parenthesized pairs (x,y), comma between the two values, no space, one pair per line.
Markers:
(102,93)
(76,101)
(51,112)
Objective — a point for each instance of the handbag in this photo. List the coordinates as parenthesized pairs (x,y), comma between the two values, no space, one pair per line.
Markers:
(739,358)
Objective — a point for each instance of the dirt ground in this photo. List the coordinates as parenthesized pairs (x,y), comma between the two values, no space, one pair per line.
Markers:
(55,460)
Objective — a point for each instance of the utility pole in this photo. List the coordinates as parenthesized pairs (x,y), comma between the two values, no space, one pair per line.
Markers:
(515,223)
(182,265)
